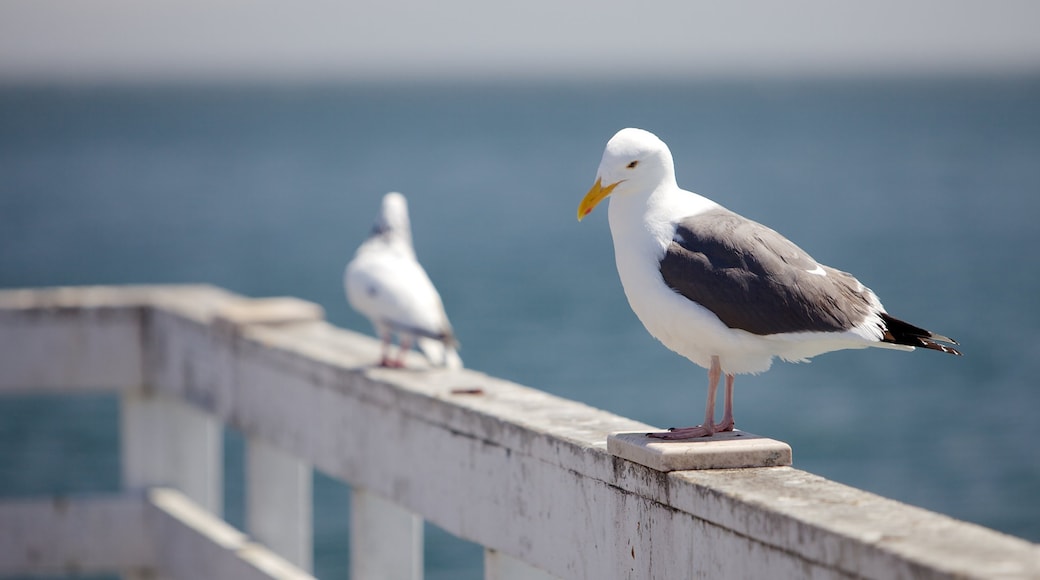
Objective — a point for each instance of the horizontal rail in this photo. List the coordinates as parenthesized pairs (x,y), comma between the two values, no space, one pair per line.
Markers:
(158,529)
(522,472)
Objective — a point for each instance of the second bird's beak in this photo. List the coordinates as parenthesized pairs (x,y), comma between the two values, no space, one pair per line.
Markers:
(595,195)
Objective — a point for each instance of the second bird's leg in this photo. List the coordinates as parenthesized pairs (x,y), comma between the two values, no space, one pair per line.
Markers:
(385,338)
(403,346)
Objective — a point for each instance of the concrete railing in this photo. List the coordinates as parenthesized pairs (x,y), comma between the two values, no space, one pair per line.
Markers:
(523,473)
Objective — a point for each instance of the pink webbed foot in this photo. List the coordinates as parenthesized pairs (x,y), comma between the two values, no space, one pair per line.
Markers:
(676,433)
(725,425)
(391,364)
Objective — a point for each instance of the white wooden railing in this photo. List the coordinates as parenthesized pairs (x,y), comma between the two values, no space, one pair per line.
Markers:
(521,472)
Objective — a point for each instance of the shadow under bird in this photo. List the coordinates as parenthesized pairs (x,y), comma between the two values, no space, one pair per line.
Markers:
(724,291)
(385,283)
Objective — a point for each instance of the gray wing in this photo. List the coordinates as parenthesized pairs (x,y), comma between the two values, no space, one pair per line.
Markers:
(756,280)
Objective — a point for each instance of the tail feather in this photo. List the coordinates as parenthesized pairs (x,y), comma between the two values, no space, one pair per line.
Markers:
(900,332)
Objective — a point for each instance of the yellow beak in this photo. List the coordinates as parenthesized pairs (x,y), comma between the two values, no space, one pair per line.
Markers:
(595,195)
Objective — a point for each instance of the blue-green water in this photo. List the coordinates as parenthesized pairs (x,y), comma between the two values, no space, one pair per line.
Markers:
(929,191)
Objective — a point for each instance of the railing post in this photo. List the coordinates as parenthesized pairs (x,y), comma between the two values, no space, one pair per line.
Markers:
(166,442)
(499,566)
(386,540)
(279,502)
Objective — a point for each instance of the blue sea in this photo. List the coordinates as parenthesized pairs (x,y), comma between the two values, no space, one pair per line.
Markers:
(927,190)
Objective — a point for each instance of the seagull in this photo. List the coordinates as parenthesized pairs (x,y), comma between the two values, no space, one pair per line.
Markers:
(726,292)
(385,283)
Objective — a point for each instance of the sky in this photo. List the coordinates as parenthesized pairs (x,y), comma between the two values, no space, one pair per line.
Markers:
(121,40)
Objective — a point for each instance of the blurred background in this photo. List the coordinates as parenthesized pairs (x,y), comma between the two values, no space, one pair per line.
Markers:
(247,145)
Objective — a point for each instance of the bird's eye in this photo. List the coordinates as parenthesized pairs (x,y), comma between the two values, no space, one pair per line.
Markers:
(633,165)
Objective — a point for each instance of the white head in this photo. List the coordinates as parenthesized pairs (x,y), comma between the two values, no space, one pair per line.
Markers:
(633,161)
(392,222)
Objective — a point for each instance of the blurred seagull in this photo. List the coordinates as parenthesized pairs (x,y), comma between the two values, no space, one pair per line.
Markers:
(726,292)
(386,283)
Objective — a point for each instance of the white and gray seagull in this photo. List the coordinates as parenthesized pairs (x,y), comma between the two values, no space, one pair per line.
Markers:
(385,283)
(724,291)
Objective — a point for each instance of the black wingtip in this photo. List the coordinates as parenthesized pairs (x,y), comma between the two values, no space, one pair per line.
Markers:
(900,332)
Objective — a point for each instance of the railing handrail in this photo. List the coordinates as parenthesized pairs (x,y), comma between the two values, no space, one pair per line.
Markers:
(517,470)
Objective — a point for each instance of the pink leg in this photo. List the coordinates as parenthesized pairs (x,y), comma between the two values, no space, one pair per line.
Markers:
(706,429)
(385,361)
(727,423)
(402,349)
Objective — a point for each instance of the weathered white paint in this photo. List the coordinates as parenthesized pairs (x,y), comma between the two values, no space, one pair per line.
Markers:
(74,338)
(523,473)
(193,544)
(279,502)
(386,540)
(159,534)
(47,536)
(167,442)
(499,566)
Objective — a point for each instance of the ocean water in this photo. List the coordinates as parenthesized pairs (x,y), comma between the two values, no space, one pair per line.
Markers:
(927,190)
